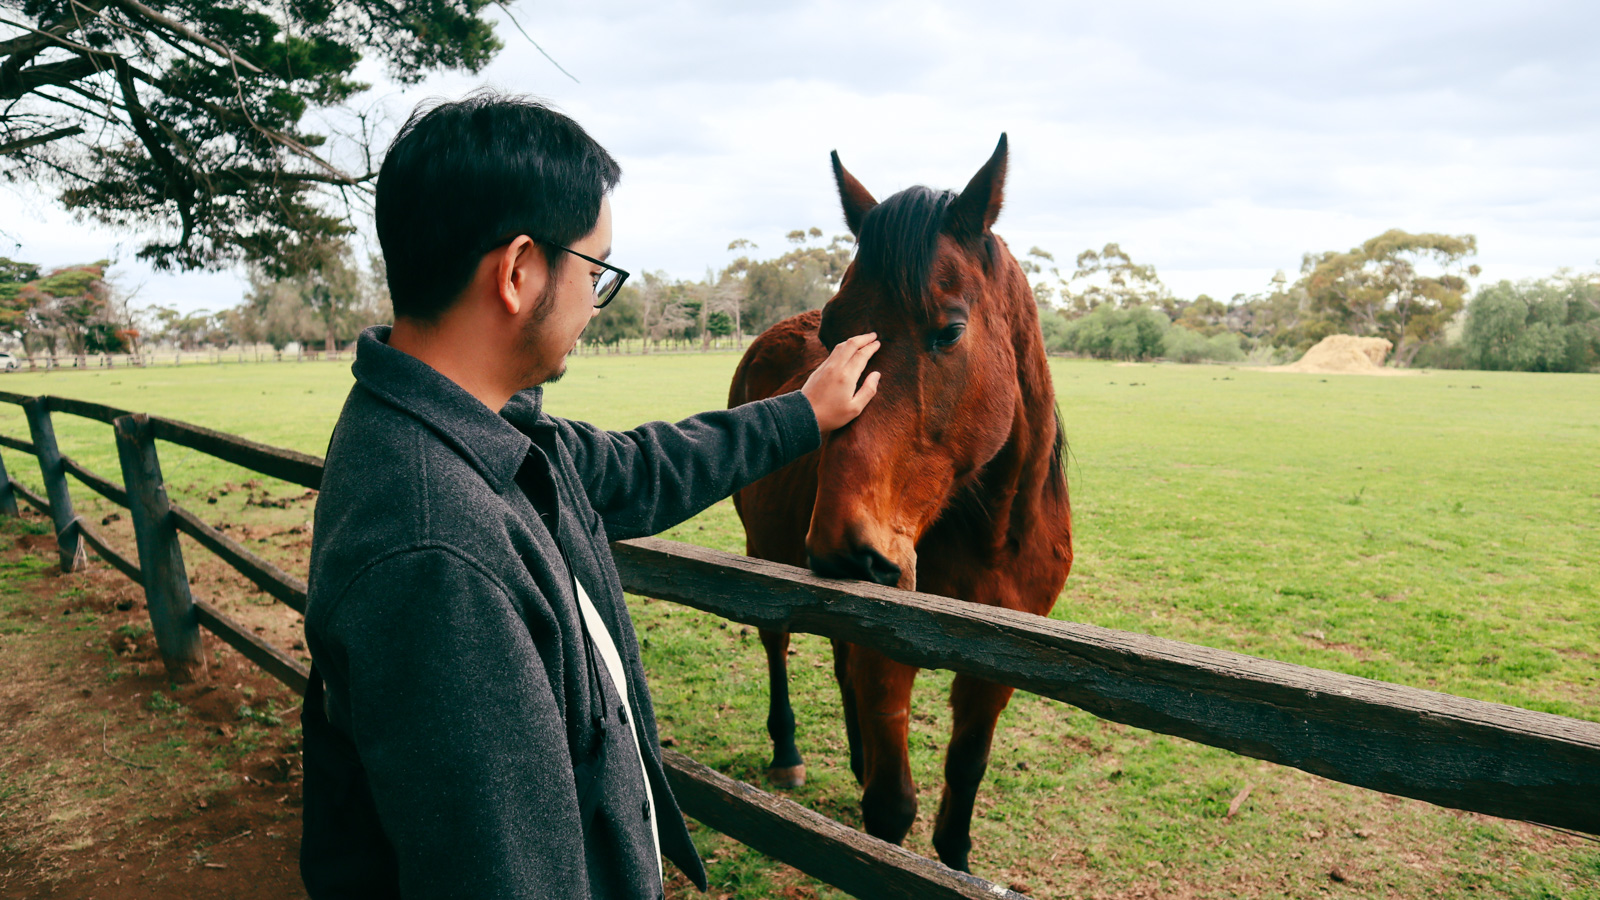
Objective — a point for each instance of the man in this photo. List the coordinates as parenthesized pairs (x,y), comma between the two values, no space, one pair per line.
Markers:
(478,723)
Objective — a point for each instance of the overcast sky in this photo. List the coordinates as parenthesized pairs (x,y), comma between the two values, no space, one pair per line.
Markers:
(1217,141)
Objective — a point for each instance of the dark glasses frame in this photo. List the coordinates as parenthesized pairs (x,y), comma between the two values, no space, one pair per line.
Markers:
(611,288)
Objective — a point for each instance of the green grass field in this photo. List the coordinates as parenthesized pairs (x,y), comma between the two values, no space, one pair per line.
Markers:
(1438,531)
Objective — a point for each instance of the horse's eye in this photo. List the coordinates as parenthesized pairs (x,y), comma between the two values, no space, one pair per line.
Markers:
(948,335)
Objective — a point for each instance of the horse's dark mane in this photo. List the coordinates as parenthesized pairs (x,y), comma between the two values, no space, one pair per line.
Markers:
(900,238)
(1058,462)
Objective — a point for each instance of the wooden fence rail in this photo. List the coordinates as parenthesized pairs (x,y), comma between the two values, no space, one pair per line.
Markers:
(1452,751)
(1460,753)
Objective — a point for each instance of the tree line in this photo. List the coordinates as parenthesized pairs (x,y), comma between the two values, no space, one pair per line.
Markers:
(1410,289)
(76,310)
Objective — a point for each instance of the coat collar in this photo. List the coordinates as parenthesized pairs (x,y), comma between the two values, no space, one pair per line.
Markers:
(495,444)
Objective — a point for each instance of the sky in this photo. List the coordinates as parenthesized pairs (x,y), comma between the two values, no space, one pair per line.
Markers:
(1218,142)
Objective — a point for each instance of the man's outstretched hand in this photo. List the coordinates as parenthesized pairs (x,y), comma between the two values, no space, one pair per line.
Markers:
(832,387)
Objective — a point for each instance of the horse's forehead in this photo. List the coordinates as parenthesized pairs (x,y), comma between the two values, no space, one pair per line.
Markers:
(951,272)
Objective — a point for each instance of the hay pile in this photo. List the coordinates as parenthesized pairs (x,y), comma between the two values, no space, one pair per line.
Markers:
(1345,354)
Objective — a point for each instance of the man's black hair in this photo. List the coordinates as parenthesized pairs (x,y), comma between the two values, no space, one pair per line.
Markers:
(462,175)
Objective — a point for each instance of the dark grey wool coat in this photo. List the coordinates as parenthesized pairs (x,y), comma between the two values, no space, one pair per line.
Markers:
(466,743)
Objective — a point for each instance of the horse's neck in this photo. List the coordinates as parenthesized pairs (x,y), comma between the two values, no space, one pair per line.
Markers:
(1019,483)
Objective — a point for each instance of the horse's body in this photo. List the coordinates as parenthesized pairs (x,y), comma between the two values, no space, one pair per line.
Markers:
(950,482)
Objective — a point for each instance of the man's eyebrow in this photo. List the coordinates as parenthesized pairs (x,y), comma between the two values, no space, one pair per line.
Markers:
(605,255)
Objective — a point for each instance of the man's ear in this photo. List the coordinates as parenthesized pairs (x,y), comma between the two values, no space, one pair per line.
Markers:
(520,273)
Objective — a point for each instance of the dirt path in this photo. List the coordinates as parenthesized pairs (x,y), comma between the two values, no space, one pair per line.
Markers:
(114,782)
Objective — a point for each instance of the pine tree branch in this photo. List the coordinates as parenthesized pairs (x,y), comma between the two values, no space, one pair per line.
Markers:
(36,140)
(137,8)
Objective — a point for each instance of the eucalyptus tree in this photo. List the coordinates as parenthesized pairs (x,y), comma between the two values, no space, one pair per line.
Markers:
(203,122)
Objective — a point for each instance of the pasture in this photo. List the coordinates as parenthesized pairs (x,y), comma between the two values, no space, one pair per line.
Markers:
(1437,531)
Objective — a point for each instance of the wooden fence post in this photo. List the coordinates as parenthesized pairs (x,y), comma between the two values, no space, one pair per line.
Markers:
(166,581)
(8,498)
(55,484)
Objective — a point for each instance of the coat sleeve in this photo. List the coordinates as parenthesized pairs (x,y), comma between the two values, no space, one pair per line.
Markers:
(453,716)
(651,478)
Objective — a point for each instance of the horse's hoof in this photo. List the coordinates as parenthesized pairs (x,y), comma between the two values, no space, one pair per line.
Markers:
(789,777)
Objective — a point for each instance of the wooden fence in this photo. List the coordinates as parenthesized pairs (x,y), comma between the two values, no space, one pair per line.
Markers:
(1451,751)
(246,353)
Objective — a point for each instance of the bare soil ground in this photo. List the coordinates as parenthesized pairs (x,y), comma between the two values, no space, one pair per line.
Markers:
(115,782)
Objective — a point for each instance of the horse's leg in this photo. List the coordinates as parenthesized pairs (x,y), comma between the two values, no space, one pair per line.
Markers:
(975,705)
(787,770)
(847,696)
(883,714)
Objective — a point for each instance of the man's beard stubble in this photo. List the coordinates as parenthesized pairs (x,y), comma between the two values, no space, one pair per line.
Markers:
(530,336)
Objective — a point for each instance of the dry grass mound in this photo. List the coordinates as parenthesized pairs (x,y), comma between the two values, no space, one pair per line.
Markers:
(1345,354)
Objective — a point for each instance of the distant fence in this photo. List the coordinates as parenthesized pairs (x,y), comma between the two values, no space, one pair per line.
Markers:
(255,353)
(1455,752)
(266,353)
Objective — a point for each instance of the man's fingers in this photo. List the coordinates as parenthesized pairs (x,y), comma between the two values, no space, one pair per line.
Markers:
(858,361)
(869,389)
(853,345)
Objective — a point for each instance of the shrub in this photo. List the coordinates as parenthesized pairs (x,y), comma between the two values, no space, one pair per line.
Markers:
(1110,332)
(1440,355)
(1551,325)
(1187,346)
(1054,327)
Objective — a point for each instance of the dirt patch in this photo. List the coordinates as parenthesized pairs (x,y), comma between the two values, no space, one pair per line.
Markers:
(1344,354)
(114,781)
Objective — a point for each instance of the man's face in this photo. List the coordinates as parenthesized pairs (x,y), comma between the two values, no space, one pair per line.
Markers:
(552,328)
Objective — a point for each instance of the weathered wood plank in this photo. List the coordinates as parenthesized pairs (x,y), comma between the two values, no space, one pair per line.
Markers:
(166,581)
(854,862)
(107,553)
(1455,752)
(9,397)
(34,500)
(54,476)
(289,465)
(101,485)
(16,444)
(8,499)
(97,411)
(270,578)
(277,663)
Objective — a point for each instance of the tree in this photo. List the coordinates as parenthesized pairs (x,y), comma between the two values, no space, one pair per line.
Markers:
(1550,325)
(1110,276)
(73,308)
(1203,315)
(619,321)
(188,331)
(725,300)
(801,279)
(331,302)
(1377,288)
(332,288)
(189,119)
(1034,264)
(16,301)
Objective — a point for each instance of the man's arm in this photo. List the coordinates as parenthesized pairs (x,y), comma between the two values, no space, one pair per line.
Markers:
(651,478)
(454,719)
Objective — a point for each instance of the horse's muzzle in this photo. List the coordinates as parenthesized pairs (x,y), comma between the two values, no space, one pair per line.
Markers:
(863,563)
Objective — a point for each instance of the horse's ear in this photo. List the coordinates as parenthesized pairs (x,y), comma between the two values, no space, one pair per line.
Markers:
(856,199)
(975,211)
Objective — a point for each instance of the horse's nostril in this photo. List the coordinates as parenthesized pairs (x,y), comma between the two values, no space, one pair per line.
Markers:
(864,563)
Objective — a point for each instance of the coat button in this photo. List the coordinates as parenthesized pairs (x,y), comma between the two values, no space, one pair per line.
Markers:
(645,808)
(622,714)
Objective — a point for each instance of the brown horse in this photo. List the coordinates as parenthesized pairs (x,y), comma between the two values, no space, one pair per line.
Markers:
(951,482)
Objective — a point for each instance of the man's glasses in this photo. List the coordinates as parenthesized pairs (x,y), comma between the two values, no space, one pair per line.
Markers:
(607,284)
